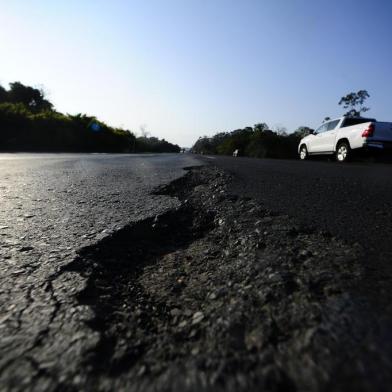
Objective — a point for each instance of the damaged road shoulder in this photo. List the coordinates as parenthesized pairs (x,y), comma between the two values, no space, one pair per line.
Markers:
(220,294)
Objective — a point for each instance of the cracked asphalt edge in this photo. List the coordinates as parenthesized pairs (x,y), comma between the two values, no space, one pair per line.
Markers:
(216,294)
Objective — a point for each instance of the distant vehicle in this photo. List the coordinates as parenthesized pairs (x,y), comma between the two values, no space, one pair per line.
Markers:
(343,135)
(235,153)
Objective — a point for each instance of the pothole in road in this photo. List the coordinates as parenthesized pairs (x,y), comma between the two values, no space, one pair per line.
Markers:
(218,294)
(126,316)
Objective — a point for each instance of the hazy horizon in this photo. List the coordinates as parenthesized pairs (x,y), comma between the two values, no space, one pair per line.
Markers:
(188,69)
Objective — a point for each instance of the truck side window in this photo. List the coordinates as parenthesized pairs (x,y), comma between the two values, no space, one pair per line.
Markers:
(321,129)
(332,125)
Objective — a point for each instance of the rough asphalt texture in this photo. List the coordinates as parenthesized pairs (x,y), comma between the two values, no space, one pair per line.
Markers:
(194,287)
(350,201)
(353,201)
(52,205)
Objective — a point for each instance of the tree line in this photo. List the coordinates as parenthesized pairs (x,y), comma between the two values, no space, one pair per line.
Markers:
(29,122)
(261,142)
(257,142)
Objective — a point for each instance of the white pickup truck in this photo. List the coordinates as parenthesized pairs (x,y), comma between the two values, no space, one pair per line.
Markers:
(343,135)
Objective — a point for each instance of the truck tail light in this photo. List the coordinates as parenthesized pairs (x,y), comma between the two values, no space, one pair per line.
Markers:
(368,132)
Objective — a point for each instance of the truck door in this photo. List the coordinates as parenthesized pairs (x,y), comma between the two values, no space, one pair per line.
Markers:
(315,143)
(329,136)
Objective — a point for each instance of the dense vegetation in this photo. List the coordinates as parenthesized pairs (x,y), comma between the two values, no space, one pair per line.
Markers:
(257,141)
(28,122)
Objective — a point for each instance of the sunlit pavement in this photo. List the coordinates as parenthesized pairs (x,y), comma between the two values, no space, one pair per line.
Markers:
(51,205)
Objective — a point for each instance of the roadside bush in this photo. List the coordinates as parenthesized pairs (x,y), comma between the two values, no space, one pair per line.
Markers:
(257,142)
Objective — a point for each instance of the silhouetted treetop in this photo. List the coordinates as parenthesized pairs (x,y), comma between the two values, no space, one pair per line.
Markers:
(354,102)
(33,98)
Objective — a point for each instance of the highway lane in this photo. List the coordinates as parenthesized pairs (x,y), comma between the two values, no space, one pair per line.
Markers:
(69,199)
(52,205)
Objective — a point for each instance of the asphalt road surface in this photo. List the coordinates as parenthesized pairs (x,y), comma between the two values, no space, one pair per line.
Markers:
(54,204)
(51,205)
(350,201)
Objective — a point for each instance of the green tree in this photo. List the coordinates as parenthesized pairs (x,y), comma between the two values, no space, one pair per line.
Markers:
(32,98)
(354,102)
(260,127)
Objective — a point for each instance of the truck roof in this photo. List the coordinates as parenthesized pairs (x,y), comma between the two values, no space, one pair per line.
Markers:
(360,118)
(349,120)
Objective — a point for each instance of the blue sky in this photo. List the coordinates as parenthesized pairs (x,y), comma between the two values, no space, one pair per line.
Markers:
(196,67)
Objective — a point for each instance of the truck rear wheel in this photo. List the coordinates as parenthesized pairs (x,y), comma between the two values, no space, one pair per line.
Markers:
(343,152)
